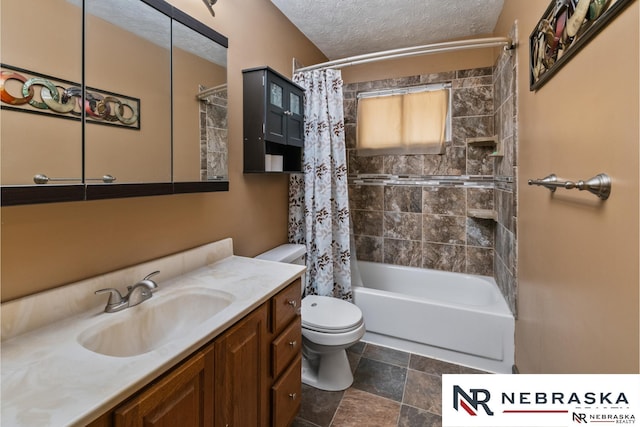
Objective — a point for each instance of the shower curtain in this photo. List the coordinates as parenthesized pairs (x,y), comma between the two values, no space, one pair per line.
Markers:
(318,198)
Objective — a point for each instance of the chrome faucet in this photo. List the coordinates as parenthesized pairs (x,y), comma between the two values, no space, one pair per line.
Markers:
(138,293)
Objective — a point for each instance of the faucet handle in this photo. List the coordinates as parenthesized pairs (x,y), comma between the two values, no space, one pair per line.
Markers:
(147,282)
(114,295)
(151,274)
(153,286)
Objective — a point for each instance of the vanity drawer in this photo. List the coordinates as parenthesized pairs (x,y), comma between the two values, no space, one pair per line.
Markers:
(286,394)
(286,347)
(286,306)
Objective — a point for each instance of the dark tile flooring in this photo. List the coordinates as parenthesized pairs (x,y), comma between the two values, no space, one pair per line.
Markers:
(390,388)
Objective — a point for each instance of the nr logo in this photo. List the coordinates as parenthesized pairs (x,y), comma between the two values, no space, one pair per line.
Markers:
(479,397)
(579,418)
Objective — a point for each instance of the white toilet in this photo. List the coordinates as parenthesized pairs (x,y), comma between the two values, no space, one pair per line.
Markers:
(329,326)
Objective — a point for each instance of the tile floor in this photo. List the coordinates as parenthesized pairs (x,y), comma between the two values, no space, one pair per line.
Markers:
(390,388)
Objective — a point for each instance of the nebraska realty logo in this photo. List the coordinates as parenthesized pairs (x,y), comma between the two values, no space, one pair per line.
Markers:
(539,400)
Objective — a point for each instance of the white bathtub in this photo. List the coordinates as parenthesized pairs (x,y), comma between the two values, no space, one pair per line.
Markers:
(455,317)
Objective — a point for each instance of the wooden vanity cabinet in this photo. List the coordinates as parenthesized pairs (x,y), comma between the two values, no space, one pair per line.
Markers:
(273,120)
(250,375)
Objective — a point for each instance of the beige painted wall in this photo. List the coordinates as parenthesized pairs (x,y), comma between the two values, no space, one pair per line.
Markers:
(45,246)
(578,299)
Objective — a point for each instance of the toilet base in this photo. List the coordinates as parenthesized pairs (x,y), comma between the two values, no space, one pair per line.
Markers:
(329,371)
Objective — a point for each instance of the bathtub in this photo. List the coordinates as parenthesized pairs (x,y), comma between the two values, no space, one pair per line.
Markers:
(454,317)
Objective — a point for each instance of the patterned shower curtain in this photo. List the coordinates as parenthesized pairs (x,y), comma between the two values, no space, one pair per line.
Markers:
(318,199)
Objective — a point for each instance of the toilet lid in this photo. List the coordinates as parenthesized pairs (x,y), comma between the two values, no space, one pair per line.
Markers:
(329,314)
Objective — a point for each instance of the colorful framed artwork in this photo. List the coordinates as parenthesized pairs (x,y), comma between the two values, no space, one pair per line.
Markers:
(30,92)
(565,28)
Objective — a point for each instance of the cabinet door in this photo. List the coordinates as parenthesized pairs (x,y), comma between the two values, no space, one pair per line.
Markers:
(295,117)
(277,109)
(241,373)
(182,398)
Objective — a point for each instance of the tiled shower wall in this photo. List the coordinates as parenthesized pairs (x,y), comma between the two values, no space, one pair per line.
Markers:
(505,193)
(429,226)
(213,136)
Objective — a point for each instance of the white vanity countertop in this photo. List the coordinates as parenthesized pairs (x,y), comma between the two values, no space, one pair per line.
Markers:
(49,379)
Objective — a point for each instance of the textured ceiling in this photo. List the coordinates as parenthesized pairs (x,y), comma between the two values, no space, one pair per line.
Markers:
(343,28)
(153,26)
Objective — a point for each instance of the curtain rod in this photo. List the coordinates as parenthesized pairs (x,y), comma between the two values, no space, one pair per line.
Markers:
(505,42)
(206,92)
(403,90)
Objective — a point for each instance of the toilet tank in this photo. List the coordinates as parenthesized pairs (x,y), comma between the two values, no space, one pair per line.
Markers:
(289,253)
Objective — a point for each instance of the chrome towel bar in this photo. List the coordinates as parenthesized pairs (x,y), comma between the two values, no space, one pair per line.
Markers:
(44,179)
(600,185)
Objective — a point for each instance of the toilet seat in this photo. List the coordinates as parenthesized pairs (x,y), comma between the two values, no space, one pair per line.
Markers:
(312,338)
(330,315)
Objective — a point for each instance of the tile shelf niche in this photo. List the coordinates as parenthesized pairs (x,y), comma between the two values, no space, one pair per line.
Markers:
(487,141)
(482,214)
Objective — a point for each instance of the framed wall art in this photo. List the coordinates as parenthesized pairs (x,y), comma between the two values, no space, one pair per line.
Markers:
(565,28)
(30,92)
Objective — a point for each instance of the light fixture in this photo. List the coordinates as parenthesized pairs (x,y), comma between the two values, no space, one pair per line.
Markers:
(209,4)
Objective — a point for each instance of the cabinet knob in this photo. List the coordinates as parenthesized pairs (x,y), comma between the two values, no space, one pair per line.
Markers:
(293,303)
(293,396)
(293,343)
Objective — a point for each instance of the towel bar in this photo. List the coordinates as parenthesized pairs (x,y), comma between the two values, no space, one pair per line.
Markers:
(600,185)
(44,179)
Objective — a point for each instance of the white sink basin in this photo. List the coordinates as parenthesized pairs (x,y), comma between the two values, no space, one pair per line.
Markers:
(155,322)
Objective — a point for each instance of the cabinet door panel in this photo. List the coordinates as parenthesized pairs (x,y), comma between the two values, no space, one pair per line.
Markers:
(184,398)
(295,131)
(241,373)
(295,124)
(275,126)
(277,104)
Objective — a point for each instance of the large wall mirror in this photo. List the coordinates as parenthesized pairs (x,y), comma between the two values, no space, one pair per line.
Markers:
(202,67)
(36,139)
(150,120)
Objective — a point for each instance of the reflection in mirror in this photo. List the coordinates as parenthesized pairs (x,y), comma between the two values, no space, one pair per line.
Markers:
(123,132)
(128,108)
(199,107)
(42,58)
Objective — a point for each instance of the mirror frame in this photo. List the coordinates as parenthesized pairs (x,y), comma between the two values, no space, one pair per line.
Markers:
(12,195)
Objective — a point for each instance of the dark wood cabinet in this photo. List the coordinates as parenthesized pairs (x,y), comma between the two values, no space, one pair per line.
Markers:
(273,122)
